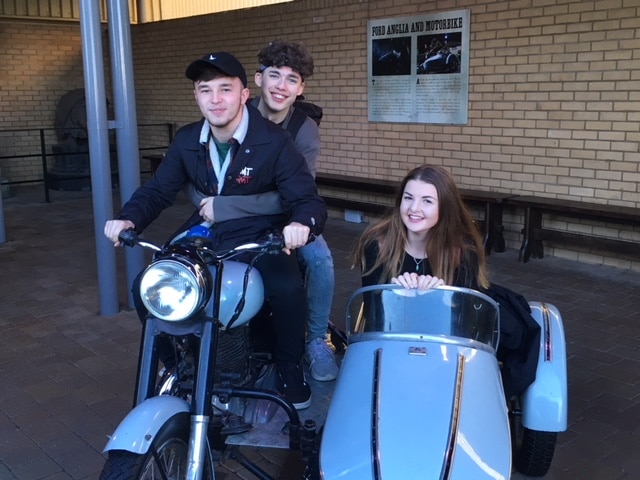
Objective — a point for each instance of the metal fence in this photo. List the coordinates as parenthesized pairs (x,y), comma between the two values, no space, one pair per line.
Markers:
(59,159)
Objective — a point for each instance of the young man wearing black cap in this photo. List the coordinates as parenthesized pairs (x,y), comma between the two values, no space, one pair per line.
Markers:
(235,151)
(283,68)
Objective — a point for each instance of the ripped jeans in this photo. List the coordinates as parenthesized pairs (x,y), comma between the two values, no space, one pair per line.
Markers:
(317,265)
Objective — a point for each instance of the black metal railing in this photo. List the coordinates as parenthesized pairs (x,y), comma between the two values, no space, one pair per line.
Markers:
(71,157)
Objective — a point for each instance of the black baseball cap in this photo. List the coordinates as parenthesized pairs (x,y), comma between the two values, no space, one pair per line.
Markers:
(223,61)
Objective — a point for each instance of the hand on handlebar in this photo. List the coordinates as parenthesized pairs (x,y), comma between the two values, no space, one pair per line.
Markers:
(411,280)
(113,228)
(295,236)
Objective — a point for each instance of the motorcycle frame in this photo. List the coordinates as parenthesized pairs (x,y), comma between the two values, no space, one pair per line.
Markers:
(150,413)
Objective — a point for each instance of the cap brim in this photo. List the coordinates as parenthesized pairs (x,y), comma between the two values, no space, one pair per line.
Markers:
(193,71)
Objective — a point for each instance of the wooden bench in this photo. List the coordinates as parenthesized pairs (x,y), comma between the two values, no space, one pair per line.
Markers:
(154,161)
(535,233)
(491,202)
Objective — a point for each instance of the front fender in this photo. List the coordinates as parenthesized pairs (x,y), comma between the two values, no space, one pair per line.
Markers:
(544,403)
(138,429)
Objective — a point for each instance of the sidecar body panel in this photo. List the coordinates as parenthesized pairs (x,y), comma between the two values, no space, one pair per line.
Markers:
(422,405)
(544,403)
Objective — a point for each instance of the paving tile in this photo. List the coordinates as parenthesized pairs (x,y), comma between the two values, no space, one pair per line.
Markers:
(5,473)
(36,468)
(65,476)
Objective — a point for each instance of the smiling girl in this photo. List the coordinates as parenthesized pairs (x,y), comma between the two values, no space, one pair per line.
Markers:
(428,238)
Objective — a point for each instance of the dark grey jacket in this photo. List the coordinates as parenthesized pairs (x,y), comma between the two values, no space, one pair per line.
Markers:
(267,160)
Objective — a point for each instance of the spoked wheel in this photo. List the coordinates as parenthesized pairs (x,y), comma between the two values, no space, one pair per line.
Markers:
(171,446)
(532,450)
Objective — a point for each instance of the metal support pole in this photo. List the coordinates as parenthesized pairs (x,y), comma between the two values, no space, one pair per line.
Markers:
(3,234)
(45,170)
(98,130)
(126,123)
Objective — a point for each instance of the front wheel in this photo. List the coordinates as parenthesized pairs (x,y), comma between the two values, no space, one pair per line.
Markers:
(171,445)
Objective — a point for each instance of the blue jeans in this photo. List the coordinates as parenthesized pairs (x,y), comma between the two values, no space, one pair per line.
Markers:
(317,263)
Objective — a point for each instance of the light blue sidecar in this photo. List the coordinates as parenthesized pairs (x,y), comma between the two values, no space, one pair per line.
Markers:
(420,396)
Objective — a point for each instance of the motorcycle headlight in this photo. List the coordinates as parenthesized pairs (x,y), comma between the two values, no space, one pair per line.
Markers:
(174,289)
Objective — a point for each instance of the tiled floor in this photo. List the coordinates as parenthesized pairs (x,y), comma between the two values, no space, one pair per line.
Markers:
(67,373)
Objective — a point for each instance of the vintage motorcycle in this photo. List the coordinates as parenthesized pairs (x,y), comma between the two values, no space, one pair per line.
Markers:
(420,393)
(199,302)
(444,61)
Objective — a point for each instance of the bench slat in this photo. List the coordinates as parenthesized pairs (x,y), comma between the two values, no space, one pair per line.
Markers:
(572,208)
(534,233)
(615,245)
(359,184)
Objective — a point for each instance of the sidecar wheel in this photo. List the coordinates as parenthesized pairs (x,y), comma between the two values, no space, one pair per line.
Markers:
(534,452)
(171,443)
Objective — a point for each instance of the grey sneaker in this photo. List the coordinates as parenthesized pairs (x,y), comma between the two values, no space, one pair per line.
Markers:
(322,363)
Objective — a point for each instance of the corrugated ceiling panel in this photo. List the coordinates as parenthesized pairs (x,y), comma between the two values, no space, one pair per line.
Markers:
(144,10)
(187,8)
(51,9)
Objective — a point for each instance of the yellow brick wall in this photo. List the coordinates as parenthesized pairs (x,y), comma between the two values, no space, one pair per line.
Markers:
(38,63)
(554,103)
(554,100)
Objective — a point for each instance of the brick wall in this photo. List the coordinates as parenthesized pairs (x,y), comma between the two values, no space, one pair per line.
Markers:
(39,62)
(554,104)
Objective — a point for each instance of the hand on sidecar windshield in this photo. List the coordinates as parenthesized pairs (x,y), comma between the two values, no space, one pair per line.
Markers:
(113,228)
(411,280)
(295,236)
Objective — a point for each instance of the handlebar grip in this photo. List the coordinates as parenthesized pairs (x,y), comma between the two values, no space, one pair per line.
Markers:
(128,237)
(275,242)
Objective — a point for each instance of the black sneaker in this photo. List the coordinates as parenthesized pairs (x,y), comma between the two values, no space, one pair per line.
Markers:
(293,385)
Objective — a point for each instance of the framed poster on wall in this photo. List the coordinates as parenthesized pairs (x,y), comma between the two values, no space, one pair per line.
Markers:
(418,68)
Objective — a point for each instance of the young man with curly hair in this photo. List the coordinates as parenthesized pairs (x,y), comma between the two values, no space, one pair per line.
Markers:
(283,70)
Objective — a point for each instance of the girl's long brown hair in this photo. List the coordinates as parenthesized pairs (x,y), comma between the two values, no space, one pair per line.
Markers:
(453,240)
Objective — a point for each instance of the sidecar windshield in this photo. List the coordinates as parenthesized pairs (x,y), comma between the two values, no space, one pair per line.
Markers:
(442,311)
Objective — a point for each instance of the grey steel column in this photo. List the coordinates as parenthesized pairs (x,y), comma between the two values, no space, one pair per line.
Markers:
(98,130)
(126,123)
(3,234)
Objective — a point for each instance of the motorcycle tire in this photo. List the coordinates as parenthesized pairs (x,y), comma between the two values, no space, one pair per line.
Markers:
(171,444)
(534,452)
